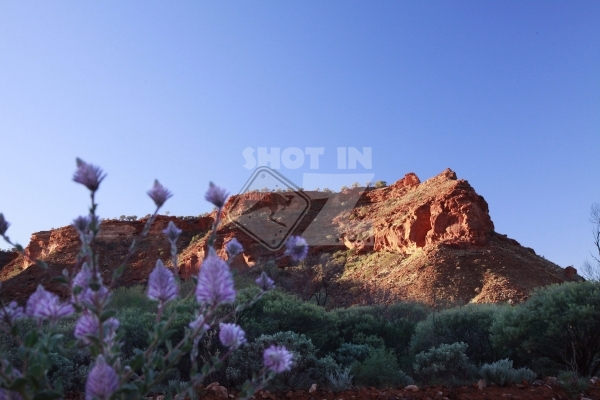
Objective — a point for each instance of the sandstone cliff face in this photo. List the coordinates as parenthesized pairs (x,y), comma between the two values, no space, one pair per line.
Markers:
(59,248)
(431,241)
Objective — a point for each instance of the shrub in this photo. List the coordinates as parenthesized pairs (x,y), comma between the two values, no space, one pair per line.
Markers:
(414,312)
(380,184)
(502,372)
(469,324)
(380,369)
(376,321)
(135,297)
(339,381)
(447,364)
(306,369)
(349,353)
(134,326)
(572,383)
(281,312)
(561,322)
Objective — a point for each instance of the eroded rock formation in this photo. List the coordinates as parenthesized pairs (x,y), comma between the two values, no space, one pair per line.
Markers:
(431,241)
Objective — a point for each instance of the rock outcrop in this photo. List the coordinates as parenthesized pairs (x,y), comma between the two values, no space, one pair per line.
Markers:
(431,241)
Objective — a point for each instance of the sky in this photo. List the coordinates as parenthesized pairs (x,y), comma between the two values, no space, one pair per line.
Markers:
(505,93)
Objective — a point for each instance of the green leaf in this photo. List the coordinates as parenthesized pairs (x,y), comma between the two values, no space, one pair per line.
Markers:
(36,370)
(18,384)
(106,315)
(31,338)
(137,361)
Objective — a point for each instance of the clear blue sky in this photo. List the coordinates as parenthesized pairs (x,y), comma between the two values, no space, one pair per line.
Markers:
(506,93)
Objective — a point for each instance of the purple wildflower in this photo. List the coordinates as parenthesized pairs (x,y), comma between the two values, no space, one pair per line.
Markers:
(199,324)
(87,295)
(102,381)
(161,284)
(215,283)
(231,335)
(296,247)
(264,282)
(172,232)
(87,325)
(216,195)
(11,312)
(88,175)
(4,224)
(110,327)
(95,297)
(233,248)
(45,305)
(277,359)
(82,224)
(159,194)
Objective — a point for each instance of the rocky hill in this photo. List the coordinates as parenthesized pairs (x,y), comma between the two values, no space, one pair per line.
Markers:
(431,241)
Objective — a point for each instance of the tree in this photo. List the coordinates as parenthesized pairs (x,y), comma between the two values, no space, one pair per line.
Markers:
(591,270)
(559,322)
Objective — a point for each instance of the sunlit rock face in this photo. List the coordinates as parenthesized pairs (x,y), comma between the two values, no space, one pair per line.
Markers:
(430,241)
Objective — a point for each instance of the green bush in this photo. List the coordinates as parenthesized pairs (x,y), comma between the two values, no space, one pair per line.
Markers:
(306,368)
(502,372)
(340,380)
(573,383)
(561,322)
(446,364)
(66,366)
(380,369)
(396,332)
(414,312)
(280,312)
(135,326)
(132,297)
(469,324)
(349,353)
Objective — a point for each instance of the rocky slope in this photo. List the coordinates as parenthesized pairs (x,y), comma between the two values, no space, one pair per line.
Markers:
(431,241)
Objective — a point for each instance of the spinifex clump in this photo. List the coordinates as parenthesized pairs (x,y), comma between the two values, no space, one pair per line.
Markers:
(96,329)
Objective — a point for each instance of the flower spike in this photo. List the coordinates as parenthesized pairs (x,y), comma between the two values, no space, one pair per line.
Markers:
(159,194)
(216,195)
(88,175)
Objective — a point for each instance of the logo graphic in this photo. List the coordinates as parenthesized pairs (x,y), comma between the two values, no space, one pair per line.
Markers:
(269,207)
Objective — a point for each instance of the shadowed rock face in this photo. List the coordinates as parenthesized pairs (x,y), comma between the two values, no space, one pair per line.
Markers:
(426,241)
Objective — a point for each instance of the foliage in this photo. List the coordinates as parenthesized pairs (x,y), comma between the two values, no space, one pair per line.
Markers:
(280,312)
(380,184)
(339,380)
(387,324)
(502,372)
(380,369)
(469,324)
(306,369)
(446,364)
(349,353)
(561,322)
(132,297)
(135,345)
(572,383)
